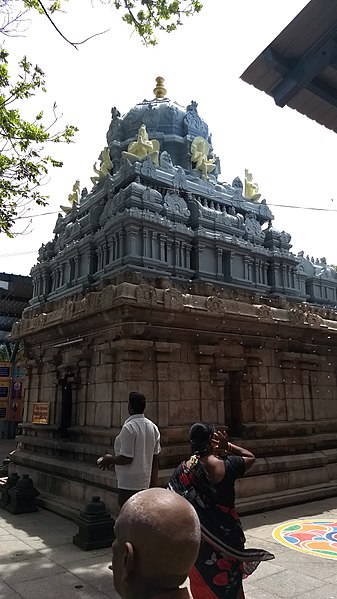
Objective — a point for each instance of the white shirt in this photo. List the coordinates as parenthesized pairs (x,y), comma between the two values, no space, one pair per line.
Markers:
(139,439)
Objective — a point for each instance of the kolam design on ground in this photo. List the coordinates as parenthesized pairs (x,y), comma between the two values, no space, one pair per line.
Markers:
(314,537)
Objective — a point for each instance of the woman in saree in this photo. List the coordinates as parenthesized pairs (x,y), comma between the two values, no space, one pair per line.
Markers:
(207,481)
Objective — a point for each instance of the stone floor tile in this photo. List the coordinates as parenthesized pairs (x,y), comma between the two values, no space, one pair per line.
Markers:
(65,586)
(94,570)
(258,594)
(54,539)
(268,544)
(307,564)
(328,591)
(28,570)
(265,569)
(16,550)
(71,553)
(261,532)
(288,585)
(7,593)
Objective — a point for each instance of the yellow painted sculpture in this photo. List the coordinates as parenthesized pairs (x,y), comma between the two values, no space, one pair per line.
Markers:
(73,198)
(251,188)
(104,167)
(199,155)
(138,150)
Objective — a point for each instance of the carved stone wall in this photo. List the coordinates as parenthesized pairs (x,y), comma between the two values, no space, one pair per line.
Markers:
(266,370)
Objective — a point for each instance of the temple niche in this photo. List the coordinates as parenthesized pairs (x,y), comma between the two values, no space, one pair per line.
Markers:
(164,279)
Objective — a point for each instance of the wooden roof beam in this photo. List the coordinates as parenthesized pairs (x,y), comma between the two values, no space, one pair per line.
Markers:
(304,72)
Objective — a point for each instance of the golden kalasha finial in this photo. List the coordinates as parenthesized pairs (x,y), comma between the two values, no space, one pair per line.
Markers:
(160,91)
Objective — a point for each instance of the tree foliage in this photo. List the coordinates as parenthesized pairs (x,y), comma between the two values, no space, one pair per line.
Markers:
(147,17)
(23,161)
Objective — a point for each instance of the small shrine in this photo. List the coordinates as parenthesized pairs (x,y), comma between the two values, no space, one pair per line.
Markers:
(165,280)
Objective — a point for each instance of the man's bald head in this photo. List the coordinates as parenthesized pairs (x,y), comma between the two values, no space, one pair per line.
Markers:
(157,542)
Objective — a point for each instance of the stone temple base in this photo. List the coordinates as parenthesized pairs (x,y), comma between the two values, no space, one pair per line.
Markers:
(272,483)
(265,368)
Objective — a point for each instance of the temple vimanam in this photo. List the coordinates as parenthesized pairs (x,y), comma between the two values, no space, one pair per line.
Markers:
(164,280)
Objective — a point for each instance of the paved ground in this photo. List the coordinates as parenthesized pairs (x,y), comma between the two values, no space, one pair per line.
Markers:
(38,559)
(292,574)
(6,446)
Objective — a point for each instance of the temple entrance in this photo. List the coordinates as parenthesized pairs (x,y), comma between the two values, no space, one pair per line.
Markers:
(232,401)
(66,407)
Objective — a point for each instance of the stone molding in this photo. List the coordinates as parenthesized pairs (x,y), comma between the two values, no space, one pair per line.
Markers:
(236,304)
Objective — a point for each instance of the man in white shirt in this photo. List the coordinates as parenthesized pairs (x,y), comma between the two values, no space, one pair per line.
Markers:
(136,449)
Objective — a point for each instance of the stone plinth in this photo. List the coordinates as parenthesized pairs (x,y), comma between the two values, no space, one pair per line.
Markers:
(197,353)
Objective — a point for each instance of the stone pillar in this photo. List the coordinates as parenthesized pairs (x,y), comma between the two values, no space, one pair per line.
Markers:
(145,238)
(134,370)
(77,265)
(219,262)
(104,261)
(162,247)
(132,240)
(170,257)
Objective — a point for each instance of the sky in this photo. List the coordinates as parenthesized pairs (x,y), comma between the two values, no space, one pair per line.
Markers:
(291,157)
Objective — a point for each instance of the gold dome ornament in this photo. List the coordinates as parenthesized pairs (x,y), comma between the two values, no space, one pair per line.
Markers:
(160,91)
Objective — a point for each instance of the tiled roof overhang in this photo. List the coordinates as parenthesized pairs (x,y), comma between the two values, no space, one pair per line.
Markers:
(299,68)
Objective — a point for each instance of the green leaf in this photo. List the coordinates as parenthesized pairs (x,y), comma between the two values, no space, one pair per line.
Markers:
(23,162)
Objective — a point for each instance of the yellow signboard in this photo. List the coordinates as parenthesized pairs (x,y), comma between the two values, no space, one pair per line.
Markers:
(41,413)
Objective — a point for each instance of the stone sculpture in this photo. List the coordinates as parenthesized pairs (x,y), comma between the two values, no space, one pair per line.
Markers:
(166,162)
(115,114)
(251,188)
(138,150)
(104,167)
(237,183)
(73,198)
(199,156)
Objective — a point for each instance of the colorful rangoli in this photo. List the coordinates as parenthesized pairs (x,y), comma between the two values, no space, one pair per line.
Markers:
(316,537)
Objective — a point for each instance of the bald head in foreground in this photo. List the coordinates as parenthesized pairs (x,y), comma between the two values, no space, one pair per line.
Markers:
(157,542)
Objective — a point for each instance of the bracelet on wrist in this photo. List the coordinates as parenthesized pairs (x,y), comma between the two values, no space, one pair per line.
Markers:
(229,448)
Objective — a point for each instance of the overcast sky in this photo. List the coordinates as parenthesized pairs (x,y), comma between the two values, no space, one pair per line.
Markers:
(291,157)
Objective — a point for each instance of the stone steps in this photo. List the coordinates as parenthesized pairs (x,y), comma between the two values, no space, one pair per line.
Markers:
(244,506)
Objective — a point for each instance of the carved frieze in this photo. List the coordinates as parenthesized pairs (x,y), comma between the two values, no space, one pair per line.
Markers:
(173,299)
(147,168)
(314,320)
(264,312)
(145,294)
(214,304)
(193,123)
(179,180)
(296,316)
(176,205)
(108,295)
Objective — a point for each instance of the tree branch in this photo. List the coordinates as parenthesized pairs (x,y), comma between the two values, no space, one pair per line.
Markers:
(74,44)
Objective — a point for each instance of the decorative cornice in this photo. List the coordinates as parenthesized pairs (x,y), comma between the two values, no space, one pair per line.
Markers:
(144,294)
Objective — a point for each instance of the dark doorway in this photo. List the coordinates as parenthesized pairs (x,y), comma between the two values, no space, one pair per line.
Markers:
(66,407)
(232,400)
